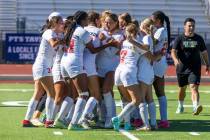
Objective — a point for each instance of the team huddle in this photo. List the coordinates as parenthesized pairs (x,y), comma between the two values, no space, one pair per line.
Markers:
(82,57)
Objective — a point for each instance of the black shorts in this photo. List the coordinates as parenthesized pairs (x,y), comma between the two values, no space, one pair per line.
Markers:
(185,79)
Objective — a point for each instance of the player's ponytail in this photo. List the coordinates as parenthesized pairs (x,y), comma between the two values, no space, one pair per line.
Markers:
(162,17)
(77,20)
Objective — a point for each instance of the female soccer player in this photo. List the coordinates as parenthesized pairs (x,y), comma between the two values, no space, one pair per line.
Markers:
(42,73)
(78,39)
(107,61)
(126,76)
(146,76)
(161,40)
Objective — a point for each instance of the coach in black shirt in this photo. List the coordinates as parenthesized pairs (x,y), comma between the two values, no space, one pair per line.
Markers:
(186,55)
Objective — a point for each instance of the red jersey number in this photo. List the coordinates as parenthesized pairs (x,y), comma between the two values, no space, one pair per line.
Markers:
(123,53)
(71,46)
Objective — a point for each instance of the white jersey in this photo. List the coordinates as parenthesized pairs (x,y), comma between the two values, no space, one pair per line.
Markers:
(45,57)
(161,65)
(56,70)
(89,58)
(162,37)
(129,54)
(46,53)
(145,68)
(108,59)
(126,72)
(72,60)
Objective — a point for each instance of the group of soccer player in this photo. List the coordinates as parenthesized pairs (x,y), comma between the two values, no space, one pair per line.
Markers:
(82,57)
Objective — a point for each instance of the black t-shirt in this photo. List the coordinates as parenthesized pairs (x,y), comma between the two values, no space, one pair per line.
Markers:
(188,52)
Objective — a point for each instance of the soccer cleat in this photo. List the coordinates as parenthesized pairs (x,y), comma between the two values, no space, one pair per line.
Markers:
(37,123)
(137,123)
(60,124)
(27,123)
(49,124)
(85,124)
(76,127)
(180,110)
(144,128)
(127,126)
(163,124)
(116,123)
(198,110)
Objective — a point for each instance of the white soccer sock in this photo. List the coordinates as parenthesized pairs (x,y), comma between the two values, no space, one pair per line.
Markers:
(90,105)
(55,110)
(144,113)
(31,108)
(108,101)
(79,107)
(180,103)
(114,112)
(152,113)
(65,108)
(102,110)
(125,113)
(163,108)
(70,113)
(49,105)
(195,104)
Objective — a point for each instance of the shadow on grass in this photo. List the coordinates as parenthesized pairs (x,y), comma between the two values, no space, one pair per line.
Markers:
(188,126)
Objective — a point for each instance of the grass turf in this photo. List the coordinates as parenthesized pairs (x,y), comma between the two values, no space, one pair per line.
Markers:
(181,124)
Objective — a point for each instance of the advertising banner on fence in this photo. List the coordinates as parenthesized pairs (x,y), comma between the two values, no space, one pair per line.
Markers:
(21,47)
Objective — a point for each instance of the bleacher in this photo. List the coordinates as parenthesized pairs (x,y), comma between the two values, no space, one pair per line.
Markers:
(36,12)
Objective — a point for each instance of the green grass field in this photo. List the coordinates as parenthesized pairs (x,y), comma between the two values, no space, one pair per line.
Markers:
(182,125)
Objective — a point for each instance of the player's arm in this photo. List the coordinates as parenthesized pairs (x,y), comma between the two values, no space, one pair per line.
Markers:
(138,44)
(205,57)
(102,47)
(55,41)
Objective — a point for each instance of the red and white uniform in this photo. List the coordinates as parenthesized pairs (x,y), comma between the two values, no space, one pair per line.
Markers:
(72,60)
(42,66)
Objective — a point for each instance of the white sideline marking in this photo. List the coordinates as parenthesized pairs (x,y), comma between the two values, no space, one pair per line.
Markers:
(25,103)
(15,103)
(17,90)
(30,90)
(132,134)
(119,104)
(128,135)
(194,133)
(57,133)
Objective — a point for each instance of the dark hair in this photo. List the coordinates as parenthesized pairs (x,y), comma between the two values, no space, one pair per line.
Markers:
(49,24)
(135,22)
(77,19)
(114,17)
(189,20)
(162,17)
(92,17)
(126,17)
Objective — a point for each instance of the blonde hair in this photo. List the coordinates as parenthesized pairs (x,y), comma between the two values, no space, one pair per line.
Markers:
(131,29)
(147,25)
(104,14)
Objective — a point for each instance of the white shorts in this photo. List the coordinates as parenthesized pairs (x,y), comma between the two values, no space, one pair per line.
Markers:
(126,76)
(160,67)
(145,73)
(56,72)
(105,65)
(71,70)
(90,65)
(39,72)
(64,73)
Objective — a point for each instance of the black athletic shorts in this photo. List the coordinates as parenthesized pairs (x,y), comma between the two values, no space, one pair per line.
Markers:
(186,79)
